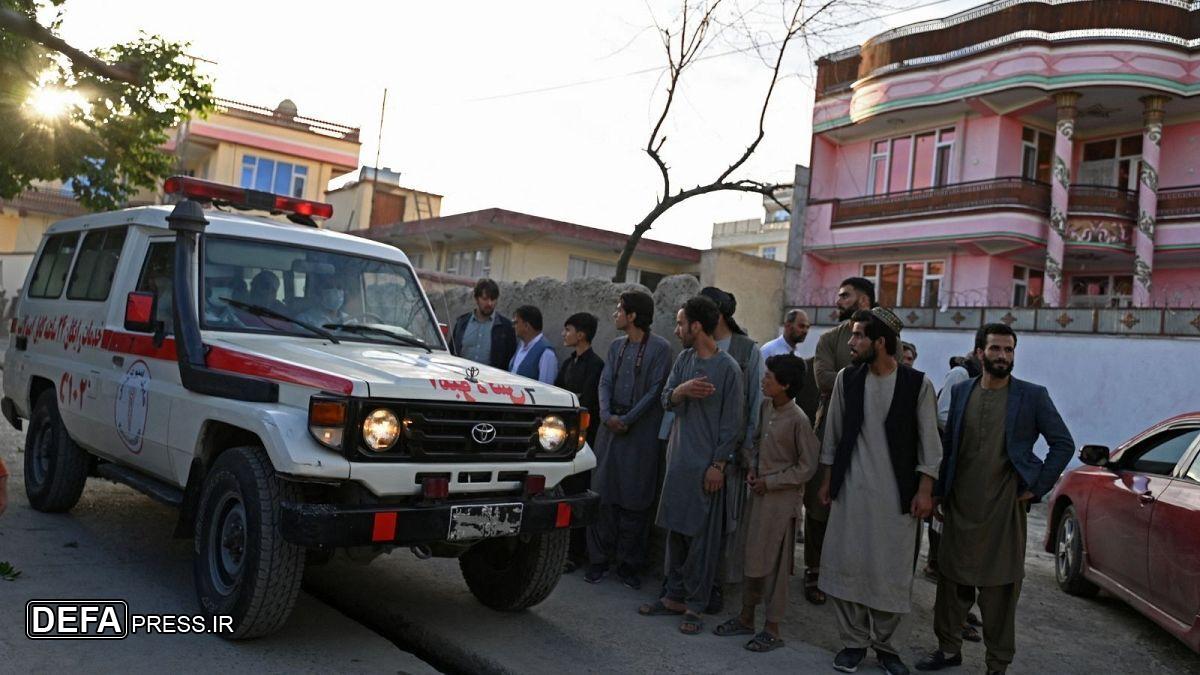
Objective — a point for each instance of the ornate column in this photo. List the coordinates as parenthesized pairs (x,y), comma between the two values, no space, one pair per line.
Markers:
(1060,183)
(1143,236)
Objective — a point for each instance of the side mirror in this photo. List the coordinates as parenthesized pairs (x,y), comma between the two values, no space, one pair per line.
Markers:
(445,328)
(140,310)
(1094,455)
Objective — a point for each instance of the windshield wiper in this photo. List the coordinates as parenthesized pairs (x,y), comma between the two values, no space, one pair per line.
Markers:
(363,328)
(259,310)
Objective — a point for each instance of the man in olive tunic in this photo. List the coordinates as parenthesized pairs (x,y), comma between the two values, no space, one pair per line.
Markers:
(879,460)
(989,478)
(704,390)
(627,444)
(833,354)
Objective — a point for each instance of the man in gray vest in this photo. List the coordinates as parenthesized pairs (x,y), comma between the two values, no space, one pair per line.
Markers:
(732,340)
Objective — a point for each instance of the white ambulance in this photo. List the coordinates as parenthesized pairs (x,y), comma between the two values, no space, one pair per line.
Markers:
(290,390)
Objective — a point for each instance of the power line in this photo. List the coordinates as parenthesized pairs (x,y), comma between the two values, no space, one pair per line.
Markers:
(658,69)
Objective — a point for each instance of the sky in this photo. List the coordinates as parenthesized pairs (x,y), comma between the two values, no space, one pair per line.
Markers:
(537,106)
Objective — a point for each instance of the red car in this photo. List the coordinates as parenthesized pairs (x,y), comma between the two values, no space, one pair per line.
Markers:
(1128,521)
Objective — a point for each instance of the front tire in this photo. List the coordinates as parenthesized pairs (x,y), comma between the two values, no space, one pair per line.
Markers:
(55,467)
(1068,556)
(242,567)
(515,573)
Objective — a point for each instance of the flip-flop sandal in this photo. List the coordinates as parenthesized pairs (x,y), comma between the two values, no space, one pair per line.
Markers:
(658,609)
(764,642)
(974,620)
(733,626)
(691,624)
(971,633)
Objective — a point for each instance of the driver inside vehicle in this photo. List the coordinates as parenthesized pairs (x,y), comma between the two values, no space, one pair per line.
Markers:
(264,292)
(327,297)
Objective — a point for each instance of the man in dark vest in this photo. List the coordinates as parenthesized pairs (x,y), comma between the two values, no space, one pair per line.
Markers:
(483,334)
(535,357)
(833,354)
(732,339)
(879,460)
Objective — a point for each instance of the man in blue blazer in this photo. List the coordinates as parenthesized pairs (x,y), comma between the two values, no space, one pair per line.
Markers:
(988,478)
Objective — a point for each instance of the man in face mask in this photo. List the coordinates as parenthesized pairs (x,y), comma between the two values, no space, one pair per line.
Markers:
(328,299)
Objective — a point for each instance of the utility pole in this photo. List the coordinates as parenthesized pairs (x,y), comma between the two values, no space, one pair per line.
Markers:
(378,150)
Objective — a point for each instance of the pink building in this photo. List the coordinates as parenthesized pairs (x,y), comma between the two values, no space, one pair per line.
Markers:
(1025,153)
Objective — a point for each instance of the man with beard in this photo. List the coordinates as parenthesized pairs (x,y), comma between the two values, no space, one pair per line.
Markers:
(795,331)
(732,339)
(879,460)
(484,335)
(833,354)
(704,390)
(627,443)
(987,482)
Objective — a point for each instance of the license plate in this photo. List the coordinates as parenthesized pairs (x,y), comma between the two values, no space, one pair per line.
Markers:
(484,521)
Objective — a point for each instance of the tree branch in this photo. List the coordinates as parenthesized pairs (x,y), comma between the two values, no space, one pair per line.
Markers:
(31,29)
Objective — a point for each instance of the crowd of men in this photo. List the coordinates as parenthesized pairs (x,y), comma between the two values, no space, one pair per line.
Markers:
(854,444)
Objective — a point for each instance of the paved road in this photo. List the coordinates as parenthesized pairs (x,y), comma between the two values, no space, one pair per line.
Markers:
(116,544)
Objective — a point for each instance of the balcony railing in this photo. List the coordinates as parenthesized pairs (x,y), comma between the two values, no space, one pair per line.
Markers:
(268,116)
(996,194)
(1103,200)
(46,201)
(750,226)
(1156,321)
(1178,203)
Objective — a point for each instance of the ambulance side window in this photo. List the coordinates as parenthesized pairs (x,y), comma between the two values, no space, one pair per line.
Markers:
(96,264)
(157,277)
(50,275)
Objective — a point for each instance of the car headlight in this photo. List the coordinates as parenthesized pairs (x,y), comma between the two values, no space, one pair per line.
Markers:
(552,433)
(380,430)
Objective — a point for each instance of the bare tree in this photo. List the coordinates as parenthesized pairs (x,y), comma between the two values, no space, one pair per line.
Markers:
(685,42)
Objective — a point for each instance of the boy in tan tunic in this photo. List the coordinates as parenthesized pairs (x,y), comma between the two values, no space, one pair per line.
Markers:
(782,459)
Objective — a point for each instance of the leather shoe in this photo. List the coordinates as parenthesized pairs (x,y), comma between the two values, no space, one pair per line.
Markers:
(891,663)
(936,660)
(848,659)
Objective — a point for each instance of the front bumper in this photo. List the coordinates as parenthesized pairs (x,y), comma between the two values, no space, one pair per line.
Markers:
(312,525)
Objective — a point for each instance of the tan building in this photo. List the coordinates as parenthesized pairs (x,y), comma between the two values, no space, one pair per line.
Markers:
(511,246)
(238,144)
(766,237)
(370,197)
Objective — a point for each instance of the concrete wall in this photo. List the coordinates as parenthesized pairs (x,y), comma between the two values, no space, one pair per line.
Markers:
(559,299)
(757,283)
(1107,388)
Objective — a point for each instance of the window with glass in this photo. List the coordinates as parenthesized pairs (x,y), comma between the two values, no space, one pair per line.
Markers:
(1160,453)
(50,273)
(157,277)
(474,263)
(1113,162)
(912,162)
(96,264)
(906,284)
(583,268)
(1037,153)
(353,297)
(769,252)
(269,175)
(1027,286)
(1102,290)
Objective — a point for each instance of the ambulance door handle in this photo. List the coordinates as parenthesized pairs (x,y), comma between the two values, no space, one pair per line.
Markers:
(118,361)
(22,342)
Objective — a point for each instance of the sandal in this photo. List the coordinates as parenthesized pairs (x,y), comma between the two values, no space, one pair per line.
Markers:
(973,620)
(764,642)
(658,609)
(733,626)
(691,624)
(970,633)
(811,592)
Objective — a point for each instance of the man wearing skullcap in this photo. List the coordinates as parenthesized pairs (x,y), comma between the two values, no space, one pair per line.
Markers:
(879,461)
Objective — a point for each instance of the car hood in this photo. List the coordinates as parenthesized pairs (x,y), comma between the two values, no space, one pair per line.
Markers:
(394,371)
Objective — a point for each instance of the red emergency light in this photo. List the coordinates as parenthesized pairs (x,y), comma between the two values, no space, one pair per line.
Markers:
(242,198)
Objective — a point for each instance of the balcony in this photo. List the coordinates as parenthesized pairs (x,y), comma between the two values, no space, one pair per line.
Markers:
(1179,203)
(1102,200)
(281,118)
(1019,194)
(752,226)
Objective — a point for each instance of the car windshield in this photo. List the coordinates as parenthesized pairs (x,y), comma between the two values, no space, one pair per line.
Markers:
(313,286)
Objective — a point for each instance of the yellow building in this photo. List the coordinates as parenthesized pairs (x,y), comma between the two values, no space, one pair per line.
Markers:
(276,150)
(371,197)
(511,246)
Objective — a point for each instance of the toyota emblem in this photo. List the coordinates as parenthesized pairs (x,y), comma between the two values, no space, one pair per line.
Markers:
(483,433)
(472,374)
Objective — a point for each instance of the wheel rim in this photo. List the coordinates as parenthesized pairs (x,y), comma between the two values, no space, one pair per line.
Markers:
(1065,555)
(227,543)
(41,455)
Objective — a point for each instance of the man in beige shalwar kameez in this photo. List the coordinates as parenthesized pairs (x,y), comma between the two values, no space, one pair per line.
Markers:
(781,460)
